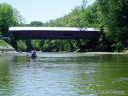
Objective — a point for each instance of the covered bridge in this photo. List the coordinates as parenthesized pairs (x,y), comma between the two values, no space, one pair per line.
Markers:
(24,33)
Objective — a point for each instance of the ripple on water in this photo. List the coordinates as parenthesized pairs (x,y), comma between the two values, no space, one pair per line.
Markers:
(57,74)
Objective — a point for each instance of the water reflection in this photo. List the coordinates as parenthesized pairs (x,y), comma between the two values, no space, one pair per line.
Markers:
(66,75)
(110,71)
(4,75)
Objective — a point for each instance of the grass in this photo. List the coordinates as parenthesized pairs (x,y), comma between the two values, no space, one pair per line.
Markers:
(3,43)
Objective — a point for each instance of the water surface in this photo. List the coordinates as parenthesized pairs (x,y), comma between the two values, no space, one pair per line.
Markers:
(64,74)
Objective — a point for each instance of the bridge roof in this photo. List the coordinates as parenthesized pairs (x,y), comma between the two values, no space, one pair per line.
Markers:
(51,29)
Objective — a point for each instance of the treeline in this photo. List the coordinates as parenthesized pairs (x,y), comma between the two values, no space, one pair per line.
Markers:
(108,15)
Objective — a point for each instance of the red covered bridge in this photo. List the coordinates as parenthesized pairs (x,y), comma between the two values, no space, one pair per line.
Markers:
(24,33)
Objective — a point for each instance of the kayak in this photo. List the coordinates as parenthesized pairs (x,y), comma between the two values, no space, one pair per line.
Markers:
(33,57)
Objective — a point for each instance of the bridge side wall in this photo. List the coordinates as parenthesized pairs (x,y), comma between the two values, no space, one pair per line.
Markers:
(24,35)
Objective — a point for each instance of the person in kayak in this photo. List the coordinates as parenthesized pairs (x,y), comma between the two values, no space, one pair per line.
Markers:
(33,54)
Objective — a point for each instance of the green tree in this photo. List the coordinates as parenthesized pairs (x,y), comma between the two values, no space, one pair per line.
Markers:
(88,17)
(7,18)
(47,45)
(115,20)
(21,45)
(36,24)
(19,20)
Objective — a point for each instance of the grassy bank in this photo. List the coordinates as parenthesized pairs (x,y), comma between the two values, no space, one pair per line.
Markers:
(5,47)
(3,43)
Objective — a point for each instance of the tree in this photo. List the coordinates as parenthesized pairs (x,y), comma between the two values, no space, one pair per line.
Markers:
(21,45)
(19,20)
(36,24)
(7,18)
(47,45)
(115,20)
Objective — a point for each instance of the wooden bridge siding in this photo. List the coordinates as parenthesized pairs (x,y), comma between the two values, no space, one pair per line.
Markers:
(54,35)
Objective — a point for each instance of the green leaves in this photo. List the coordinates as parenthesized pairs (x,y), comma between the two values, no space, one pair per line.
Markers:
(6,18)
(36,24)
(115,21)
(21,45)
(111,15)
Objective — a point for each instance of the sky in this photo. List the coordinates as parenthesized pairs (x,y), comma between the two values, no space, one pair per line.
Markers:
(44,10)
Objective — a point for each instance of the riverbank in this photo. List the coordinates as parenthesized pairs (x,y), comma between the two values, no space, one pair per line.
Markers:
(11,51)
(126,52)
(5,48)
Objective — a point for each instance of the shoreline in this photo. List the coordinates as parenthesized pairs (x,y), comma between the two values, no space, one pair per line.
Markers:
(107,53)
(7,49)
(14,52)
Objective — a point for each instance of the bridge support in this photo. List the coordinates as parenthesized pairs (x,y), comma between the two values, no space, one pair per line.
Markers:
(13,42)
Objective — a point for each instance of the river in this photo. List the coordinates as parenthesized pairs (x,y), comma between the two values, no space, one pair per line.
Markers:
(64,74)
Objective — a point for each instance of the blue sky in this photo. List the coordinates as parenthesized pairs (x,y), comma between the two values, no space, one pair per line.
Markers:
(44,10)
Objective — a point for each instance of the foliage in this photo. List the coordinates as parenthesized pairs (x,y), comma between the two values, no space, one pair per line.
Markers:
(19,20)
(115,20)
(36,24)
(104,42)
(28,44)
(87,18)
(2,43)
(9,17)
(6,18)
(21,45)
(109,15)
